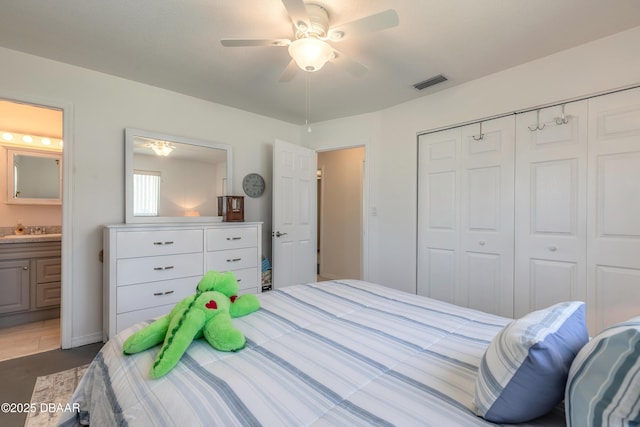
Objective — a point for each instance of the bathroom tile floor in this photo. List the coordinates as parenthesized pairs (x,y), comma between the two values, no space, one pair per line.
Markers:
(30,338)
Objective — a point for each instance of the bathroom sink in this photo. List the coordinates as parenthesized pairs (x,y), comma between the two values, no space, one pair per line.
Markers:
(33,236)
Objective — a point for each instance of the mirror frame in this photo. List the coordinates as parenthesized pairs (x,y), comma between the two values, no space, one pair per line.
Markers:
(130,135)
(11,198)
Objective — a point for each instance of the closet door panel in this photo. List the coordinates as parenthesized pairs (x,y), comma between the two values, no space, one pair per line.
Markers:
(618,177)
(554,187)
(614,199)
(550,207)
(487,171)
(438,215)
(483,276)
(618,295)
(440,273)
(551,281)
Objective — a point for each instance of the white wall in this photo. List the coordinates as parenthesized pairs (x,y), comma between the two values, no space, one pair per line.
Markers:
(102,106)
(606,64)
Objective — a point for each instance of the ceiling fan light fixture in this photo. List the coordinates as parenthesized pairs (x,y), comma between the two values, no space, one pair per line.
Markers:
(310,53)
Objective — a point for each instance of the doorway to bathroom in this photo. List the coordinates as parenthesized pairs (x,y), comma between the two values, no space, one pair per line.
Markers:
(31,151)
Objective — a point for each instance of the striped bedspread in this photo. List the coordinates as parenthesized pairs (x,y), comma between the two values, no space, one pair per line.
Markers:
(334,353)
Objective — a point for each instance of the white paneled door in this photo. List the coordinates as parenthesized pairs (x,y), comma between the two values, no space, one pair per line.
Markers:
(438,215)
(575,234)
(551,207)
(465,211)
(613,239)
(294,215)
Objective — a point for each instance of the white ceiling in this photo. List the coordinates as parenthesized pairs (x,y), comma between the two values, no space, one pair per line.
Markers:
(175,45)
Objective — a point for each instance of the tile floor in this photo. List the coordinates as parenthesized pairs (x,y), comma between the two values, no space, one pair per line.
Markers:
(30,338)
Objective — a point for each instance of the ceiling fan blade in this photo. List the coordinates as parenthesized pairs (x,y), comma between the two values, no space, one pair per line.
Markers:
(254,42)
(349,65)
(368,24)
(298,13)
(289,73)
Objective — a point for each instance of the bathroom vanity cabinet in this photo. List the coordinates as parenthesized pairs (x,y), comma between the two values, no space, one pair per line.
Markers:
(30,275)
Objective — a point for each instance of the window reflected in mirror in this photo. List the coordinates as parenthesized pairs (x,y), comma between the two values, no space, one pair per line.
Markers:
(146,191)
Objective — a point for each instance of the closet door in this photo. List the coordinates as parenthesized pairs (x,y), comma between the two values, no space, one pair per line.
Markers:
(613,238)
(439,215)
(465,216)
(486,201)
(551,201)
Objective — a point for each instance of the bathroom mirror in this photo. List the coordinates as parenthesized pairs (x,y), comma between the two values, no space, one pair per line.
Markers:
(34,177)
(174,179)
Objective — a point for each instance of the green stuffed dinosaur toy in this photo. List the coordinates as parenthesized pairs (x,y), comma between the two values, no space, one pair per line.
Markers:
(208,313)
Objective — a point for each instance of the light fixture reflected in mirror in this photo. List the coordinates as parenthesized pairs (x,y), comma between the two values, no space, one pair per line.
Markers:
(161,148)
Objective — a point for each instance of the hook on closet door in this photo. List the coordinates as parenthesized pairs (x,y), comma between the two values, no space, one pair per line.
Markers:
(537,126)
(562,120)
(481,136)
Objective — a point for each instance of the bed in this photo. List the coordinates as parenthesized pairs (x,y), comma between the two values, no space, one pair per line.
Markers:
(323,354)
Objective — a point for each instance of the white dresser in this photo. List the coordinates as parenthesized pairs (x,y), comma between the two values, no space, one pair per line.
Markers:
(149,268)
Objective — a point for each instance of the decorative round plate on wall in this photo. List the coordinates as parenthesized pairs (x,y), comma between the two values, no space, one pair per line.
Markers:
(253,185)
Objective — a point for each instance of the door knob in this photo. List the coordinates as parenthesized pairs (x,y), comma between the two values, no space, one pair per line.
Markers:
(278,234)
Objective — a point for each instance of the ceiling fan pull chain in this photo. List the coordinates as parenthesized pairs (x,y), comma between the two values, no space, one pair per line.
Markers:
(308,106)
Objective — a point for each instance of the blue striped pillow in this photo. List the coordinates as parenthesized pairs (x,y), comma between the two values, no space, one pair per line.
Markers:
(523,373)
(604,381)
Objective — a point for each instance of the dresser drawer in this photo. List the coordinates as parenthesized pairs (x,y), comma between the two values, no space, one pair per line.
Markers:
(153,269)
(247,279)
(164,242)
(231,238)
(147,295)
(233,259)
(124,320)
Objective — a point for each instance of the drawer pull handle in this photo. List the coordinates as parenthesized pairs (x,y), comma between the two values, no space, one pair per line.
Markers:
(234,260)
(159,294)
(168,267)
(234,238)
(163,243)
(239,280)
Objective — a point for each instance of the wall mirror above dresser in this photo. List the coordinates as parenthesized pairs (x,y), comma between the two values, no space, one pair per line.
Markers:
(174,179)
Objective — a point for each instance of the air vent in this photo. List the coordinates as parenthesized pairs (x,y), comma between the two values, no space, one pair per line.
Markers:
(430,82)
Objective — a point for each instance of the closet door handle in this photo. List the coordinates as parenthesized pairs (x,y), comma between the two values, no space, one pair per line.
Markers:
(168,267)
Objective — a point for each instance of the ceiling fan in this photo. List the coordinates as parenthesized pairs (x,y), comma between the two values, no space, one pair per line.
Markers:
(310,49)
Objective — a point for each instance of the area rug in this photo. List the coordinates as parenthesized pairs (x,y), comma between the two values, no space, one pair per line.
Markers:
(51,395)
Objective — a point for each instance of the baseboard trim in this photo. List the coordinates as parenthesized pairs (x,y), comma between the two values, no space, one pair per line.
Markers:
(86,339)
